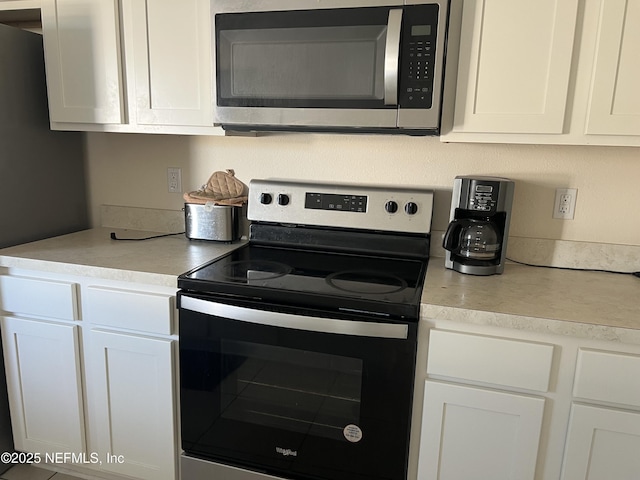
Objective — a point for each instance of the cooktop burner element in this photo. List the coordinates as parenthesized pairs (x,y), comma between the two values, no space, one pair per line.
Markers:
(243,270)
(348,280)
(364,281)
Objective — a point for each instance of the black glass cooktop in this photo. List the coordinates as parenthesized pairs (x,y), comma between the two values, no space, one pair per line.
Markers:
(343,281)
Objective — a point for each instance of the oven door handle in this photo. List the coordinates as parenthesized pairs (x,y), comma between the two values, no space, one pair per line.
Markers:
(392,56)
(297,322)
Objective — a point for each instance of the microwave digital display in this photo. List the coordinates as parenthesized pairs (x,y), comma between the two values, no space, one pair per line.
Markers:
(420,30)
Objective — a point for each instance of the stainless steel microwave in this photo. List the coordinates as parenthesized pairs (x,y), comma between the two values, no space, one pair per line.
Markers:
(329,65)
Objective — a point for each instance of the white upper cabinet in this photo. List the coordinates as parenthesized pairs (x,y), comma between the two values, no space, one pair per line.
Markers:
(513,68)
(552,71)
(168,52)
(81,40)
(129,66)
(615,100)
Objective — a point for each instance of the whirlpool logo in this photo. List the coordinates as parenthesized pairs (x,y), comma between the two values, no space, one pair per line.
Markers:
(287,452)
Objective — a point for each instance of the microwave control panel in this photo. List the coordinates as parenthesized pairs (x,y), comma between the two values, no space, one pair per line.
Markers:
(417,63)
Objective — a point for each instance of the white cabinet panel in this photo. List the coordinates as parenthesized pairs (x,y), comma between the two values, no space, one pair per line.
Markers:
(82,58)
(40,297)
(615,101)
(170,75)
(602,444)
(130,309)
(608,377)
(470,433)
(514,66)
(131,404)
(483,360)
(43,380)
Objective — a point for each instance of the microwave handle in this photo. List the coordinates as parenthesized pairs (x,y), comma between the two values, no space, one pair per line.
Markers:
(392,56)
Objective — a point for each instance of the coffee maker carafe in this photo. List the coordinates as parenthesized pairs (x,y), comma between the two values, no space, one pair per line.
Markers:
(476,238)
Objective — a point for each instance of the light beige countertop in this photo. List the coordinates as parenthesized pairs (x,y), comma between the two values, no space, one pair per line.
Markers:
(583,304)
(601,306)
(92,253)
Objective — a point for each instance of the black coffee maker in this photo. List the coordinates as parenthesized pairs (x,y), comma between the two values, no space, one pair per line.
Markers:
(476,239)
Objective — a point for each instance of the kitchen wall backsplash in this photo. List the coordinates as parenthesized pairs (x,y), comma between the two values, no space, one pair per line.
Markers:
(145,219)
(131,170)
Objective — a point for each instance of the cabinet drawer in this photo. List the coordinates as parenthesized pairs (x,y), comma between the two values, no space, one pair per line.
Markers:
(131,309)
(40,297)
(499,361)
(608,377)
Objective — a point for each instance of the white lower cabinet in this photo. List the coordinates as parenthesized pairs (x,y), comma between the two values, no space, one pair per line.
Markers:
(475,426)
(42,362)
(91,373)
(471,433)
(504,404)
(131,406)
(603,440)
(602,444)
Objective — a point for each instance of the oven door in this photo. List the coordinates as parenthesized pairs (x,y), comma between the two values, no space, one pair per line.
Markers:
(302,396)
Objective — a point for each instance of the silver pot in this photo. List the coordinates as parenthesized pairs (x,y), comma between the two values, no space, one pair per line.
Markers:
(220,223)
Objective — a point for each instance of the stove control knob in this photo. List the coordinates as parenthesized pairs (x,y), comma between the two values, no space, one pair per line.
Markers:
(283,199)
(411,208)
(391,206)
(266,198)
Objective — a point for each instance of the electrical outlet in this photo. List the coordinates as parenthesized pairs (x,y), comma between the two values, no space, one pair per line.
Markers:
(565,203)
(174,180)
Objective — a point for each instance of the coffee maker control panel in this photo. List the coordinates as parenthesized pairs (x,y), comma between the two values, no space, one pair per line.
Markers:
(483,197)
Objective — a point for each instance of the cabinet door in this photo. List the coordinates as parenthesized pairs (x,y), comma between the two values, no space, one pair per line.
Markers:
(131,404)
(82,58)
(470,433)
(169,76)
(602,444)
(43,380)
(615,102)
(514,66)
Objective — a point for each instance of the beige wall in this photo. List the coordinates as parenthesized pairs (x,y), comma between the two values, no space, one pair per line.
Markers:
(130,170)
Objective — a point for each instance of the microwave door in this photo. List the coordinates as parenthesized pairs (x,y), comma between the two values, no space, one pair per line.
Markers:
(332,68)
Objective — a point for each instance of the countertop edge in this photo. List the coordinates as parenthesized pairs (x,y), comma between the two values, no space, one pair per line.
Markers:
(609,333)
(90,271)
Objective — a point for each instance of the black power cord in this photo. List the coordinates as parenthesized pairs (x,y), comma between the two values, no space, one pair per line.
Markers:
(635,274)
(114,237)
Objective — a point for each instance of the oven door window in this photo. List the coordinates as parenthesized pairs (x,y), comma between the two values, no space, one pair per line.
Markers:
(316,59)
(293,390)
(286,401)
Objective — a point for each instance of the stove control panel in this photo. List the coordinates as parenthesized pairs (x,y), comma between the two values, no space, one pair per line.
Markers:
(343,206)
(337,202)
